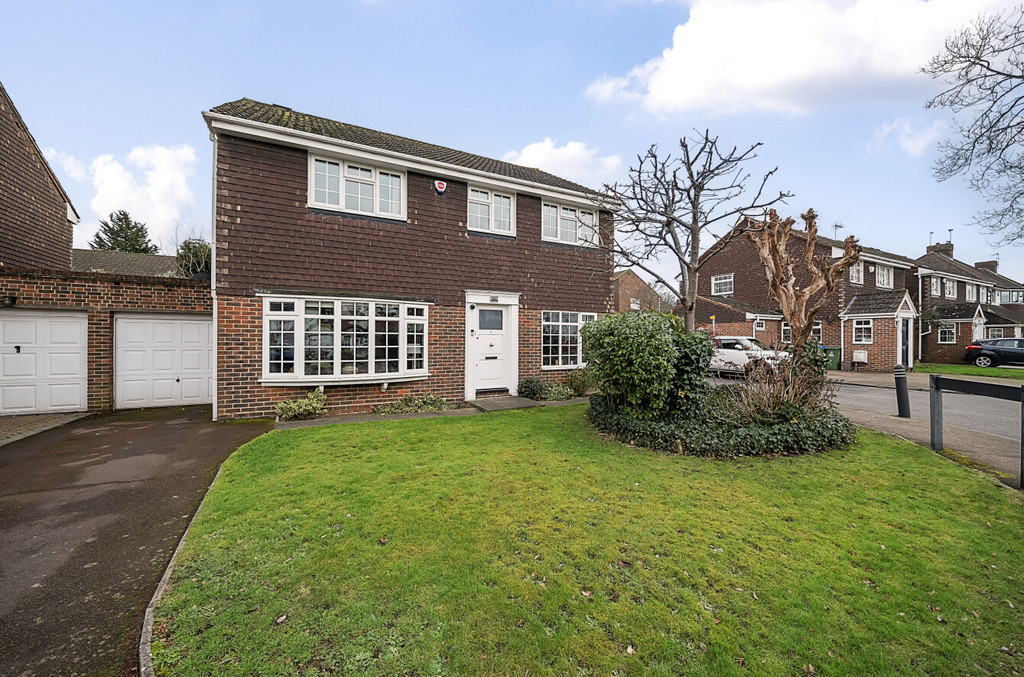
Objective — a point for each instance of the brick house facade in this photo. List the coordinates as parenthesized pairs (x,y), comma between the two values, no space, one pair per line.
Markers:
(485,265)
(36,216)
(630,292)
(734,275)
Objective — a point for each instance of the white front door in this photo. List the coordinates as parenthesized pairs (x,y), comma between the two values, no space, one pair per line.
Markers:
(43,363)
(162,361)
(489,346)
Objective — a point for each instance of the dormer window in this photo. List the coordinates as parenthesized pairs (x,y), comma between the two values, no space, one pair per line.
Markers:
(356,187)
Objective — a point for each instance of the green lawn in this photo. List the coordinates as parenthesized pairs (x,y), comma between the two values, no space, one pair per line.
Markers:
(969,370)
(523,541)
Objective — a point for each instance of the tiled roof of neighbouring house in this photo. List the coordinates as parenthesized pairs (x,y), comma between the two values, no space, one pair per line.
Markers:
(280,116)
(997,280)
(876,303)
(738,305)
(955,311)
(871,251)
(123,263)
(1000,315)
(945,264)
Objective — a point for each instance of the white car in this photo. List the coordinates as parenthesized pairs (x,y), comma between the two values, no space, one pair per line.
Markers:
(734,354)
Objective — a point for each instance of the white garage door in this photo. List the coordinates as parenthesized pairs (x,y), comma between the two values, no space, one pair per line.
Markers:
(43,364)
(162,361)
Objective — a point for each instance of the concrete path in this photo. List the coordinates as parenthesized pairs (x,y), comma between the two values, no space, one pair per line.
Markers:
(89,516)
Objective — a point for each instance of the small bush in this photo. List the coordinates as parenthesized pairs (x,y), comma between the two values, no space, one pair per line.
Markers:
(311,406)
(556,392)
(531,388)
(410,404)
(689,383)
(633,359)
(715,436)
(581,381)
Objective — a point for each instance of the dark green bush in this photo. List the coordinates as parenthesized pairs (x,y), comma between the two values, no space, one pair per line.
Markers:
(689,383)
(633,358)
(531,388)
(410,404)
(714,436)
(581,381)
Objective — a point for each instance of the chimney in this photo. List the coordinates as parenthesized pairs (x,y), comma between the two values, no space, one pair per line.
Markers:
(945,248)
(990,266)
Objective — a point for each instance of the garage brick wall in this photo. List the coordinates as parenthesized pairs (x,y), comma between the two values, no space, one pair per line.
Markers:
(946,353)
(883,351)
(103,295)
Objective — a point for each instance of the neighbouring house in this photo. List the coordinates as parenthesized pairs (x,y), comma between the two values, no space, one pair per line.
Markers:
(952,296)
(1005,313)
(73,340)
(36,216)
(375,266)
(630,292)
(124,263)
(870,318)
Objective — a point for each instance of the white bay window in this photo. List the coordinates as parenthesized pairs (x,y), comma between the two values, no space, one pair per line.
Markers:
(322,340)
(561,346)
(356,187)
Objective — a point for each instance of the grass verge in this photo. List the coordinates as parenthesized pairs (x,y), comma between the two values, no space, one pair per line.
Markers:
(522,540)
(969,370)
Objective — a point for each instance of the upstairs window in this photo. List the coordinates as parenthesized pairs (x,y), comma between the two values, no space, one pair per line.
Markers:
(950,289)
(568,225)
(356,187)
(971,291)
(936,283)
(721,285)
(857,273)
(883,277)
(490,212)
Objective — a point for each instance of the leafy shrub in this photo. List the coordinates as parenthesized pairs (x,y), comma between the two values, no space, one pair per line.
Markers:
(689,383)
(410,404)
(714,436)
(633,356)
(531,388)
(581,381)
(554,392)
(311,406)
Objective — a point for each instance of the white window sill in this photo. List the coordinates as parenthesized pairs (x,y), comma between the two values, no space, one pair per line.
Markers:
(499,233)
(863,343)
(569,367)
(338,381)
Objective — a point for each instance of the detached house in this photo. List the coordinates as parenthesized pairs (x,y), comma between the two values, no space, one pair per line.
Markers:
(870,318)
(373,266)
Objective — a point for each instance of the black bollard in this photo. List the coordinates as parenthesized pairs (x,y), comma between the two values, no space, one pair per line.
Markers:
(902,394)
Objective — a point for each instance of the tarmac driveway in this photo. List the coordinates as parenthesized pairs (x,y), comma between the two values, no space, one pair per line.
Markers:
(90,514)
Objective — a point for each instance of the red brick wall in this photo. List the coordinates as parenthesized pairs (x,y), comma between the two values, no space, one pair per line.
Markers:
(628,286)
(34,227)
(267,238)
(240,354)
(946,353)
(883,352)
(103,295)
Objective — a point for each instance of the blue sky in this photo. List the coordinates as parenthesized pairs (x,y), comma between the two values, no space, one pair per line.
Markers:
(113,92)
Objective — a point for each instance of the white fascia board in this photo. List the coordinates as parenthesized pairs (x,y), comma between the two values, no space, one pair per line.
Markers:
(261,131)
(862,316)
(759,316)
(953,276)
(874,258)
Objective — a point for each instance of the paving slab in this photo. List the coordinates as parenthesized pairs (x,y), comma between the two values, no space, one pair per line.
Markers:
(90,513)
(504,403)
(14,428)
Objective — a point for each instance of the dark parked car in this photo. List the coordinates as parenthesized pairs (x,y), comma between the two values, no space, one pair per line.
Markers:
(993,352)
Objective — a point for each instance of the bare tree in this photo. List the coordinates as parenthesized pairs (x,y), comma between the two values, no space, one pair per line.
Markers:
(799,302)
(982,67)
(670,201)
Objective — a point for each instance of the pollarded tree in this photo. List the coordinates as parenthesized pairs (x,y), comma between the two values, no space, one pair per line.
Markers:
(670,201)
(982,68)
(801,285)
(121,233)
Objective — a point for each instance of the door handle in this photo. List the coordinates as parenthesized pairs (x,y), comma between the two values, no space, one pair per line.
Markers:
(490,345)
(177,380)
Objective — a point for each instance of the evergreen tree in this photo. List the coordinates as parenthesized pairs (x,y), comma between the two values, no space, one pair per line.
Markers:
(121,233)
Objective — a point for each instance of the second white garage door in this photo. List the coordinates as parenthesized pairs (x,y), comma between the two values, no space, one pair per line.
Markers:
(162,361)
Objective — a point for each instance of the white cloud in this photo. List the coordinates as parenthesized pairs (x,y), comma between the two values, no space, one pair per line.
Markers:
(575,161)
(72,167)
(793,56)
(151,184)
(913,139)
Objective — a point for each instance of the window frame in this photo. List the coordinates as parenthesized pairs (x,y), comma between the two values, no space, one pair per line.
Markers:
(786,332)
(936,286)
(716,279)
(859,267)
(971,292)
(559,207)
(492,195)
(343,165)
(1000,330)
(410,313)
(582,318)
(946,286)
(760,325)
(879,282)
(867,324)
(946,328)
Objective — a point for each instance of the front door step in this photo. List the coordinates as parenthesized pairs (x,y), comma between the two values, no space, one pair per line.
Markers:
(503,403)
